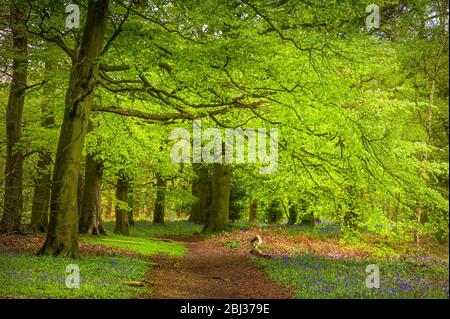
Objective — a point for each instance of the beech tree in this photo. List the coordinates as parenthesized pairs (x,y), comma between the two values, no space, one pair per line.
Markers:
(12,210)
(122,222)
(201,190)
(91,219)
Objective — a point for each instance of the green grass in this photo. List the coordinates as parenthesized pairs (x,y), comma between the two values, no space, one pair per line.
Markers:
(317,277)
(29,276)
(139,241)
(323,230)
(245,224)
(231,244)
(139,245)
(143,228)
(317,232)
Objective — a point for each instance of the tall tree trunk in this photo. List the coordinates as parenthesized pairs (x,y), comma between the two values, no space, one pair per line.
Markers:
(90,220)
(293,214)
(200,189)
(220,205)
(130,207)
(253,212)
(109,205)
(62,236)
(122,223)
(195,216)
(13,200)
(41,197)
(306,218)
(148,212)
(160,204)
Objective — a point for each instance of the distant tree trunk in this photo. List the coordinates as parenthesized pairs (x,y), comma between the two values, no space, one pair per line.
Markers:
(160,204)
(274,211)
(41,197)
(91,220)
(195,216)
(220,205)
(130,207)
(253,212)
(307,218)
(200,189)
(148,212)
(13,200)
(109,205)
(293,214)
(138,213)
(122,223)
(62,236)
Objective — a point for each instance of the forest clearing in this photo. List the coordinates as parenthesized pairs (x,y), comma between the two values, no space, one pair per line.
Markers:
(238,149)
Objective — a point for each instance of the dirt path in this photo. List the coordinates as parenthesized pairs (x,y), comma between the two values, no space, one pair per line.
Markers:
(210,271)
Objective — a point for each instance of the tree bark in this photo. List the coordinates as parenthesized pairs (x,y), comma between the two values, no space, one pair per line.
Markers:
(160,204)
(91,220)
(80,192)
(306,219)
(220,205)
(62,236)
(13,200)
(200,189)
(109,205)
(122,223)
(130,207)
(253,212)
(293,214)
(195,216)
(41,196)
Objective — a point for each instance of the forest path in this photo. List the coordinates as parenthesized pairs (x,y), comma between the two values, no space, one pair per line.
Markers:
(210,270)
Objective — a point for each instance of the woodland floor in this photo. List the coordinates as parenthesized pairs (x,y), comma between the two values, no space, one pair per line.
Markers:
(171,261)
(210,270)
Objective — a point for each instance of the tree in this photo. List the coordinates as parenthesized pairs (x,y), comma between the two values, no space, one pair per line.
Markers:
(293,214)
(253,211)
(41,196)
(62,236)
(12,210)
(274,212)
(122,223)
(131,209)
(91,219)
(160,203)
(220,205)
(201,189)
